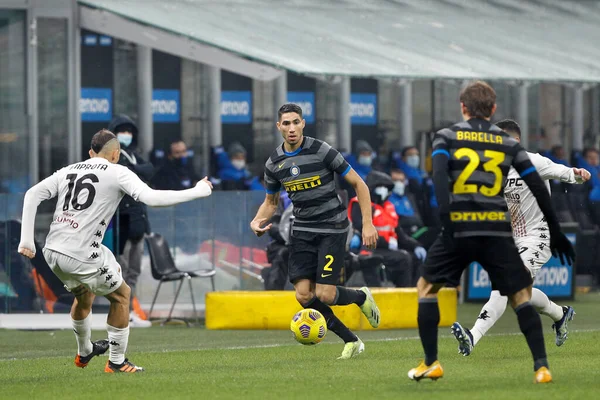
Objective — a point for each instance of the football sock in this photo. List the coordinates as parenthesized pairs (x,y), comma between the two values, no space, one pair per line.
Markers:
(490,313)
(333,322)
(543,304)
(345,296)
(429,318)
(531,326)
(83,334)
(117,339)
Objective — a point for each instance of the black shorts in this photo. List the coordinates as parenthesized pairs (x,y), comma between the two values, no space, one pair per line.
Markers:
(317,256)
(497,255)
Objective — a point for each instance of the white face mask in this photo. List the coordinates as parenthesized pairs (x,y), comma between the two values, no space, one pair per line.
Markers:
(365,160)
(238,164)
(124,139)
(382,191)
(413,161)
(399,188)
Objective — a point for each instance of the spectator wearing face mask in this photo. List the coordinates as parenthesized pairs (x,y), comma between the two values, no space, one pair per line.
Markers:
(177,171)
(590,160)
(410,220)
(233,171)
(362,159)
(419,183)
(393,245)
(133,215)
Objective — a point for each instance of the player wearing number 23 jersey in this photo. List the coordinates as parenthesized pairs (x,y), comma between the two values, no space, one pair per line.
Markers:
(471,160)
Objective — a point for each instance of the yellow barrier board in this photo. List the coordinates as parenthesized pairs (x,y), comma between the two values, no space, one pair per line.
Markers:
(275,309)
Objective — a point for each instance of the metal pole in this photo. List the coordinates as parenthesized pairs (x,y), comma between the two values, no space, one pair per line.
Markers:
(344,139)
(595,111)
(405,114)
(214,105)
(145,123)
(523,113)
(279,98)
(578,119)
(32,97)
(74,84)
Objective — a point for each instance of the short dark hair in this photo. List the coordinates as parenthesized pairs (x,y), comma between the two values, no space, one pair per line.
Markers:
(288,108)
(590,150)
(479,99)
(100,139)
(509,125)
(407,148)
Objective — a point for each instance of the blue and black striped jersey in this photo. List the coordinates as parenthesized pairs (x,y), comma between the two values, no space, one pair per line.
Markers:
(307,175)
(479,158)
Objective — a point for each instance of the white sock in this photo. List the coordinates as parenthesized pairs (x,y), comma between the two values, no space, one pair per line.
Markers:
(490,313)
(544,306)
(83,334)
(117,338)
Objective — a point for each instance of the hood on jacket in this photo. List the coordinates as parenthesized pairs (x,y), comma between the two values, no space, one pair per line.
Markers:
(362,145)
(123,119)
(377,178)
(236,148)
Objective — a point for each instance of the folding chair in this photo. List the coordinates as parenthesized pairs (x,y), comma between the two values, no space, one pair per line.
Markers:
(164,270)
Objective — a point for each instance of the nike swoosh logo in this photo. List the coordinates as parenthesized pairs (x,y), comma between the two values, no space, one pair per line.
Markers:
(523,250)
(325,276)
(281,165)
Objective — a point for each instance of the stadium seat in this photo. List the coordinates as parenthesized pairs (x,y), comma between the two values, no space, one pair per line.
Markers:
(164,270)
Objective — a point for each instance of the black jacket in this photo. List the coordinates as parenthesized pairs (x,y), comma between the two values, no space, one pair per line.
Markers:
(174,176)
(135,211)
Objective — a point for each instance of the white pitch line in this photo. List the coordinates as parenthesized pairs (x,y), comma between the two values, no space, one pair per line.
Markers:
(274,345)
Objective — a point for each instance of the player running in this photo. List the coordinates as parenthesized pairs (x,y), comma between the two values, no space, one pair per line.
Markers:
(530,231)
(89,193)
(305,167)
(471,160)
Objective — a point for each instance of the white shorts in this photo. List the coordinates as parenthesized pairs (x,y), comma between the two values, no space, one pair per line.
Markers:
(534,252)
(100,276)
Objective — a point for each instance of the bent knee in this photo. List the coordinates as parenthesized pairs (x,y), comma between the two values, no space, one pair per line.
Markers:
(121,295)
(304,297)
(326,293)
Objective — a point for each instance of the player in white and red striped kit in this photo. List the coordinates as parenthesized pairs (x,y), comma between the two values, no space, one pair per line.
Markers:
(532,238)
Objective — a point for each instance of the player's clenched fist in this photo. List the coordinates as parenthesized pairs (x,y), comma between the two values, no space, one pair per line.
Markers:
(255,225)
(25,251)
(369,236)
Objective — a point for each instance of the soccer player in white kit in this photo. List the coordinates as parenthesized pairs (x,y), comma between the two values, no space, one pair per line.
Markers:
(89,193)
(530,232)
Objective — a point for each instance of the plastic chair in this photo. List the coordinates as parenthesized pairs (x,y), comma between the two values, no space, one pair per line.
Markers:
(164,270)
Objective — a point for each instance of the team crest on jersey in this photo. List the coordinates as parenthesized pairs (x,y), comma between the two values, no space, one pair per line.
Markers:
(295,170)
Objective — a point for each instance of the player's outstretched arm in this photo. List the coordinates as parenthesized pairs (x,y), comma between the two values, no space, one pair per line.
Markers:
(369,233)
(550,170)
(46,189)
(264,214)
(164,198)
(559,244)
(131,184)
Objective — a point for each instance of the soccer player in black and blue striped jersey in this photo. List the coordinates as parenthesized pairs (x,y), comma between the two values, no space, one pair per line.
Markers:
(471,161)
(305,167)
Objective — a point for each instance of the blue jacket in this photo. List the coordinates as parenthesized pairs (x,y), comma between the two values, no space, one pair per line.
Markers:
(360,169)
(402,205)
(410,172)
(554,159)
(227,172)
(594,171)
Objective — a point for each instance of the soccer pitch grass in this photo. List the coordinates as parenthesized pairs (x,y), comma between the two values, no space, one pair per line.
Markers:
(185,362)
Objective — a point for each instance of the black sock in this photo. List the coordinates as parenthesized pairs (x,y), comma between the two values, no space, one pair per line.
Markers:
(531,326)
(429,318)
(345,296)
(333,322)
